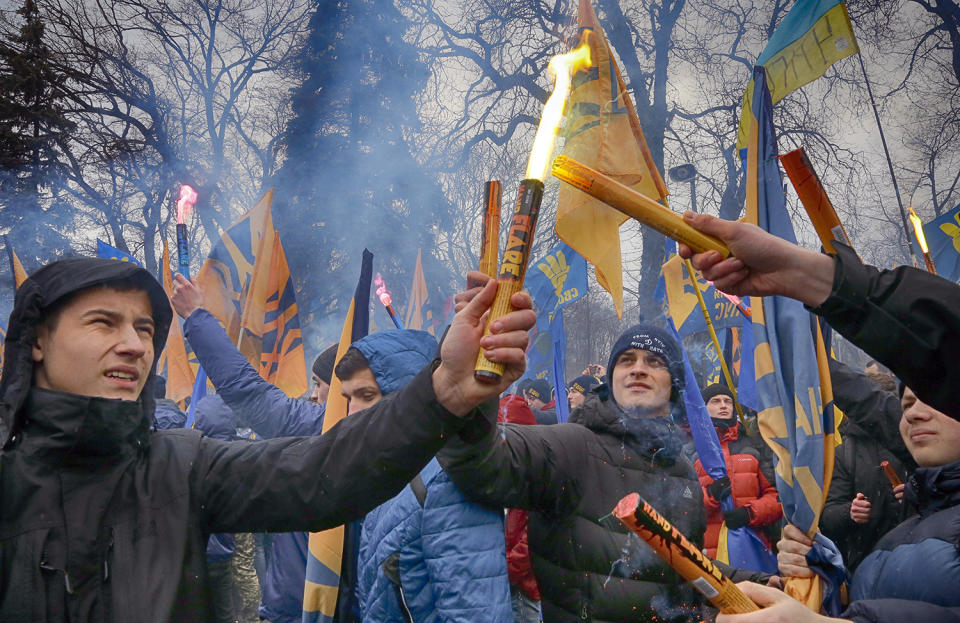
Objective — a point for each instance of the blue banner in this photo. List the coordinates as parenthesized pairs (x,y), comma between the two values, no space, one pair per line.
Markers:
(555,281)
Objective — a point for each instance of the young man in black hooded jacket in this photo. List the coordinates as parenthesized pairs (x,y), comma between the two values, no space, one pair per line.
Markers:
(570,475)
(103,520)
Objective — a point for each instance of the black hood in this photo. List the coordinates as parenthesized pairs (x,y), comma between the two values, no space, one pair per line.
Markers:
(36,295)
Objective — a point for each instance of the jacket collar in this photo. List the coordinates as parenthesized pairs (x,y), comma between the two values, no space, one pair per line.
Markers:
(931,489)
(659,438)
(70,429)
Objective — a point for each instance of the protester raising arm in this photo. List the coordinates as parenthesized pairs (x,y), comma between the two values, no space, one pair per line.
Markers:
(264,407)
(905,318)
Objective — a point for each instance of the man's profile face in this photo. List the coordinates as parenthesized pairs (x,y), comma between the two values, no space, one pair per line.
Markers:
(101,344)
(641,380)
(932,437)
(575,398)
(533,403)
(720,407)
(320,390)
(361,391)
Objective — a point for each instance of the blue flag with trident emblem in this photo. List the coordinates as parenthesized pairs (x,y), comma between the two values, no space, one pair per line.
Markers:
(556,280)
(793,387)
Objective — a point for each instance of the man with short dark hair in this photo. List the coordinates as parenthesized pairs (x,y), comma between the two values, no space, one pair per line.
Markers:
(103,520)
(427,553)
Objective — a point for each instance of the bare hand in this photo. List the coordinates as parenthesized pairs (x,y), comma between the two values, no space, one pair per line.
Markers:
(453,381)
(860,509)
(776,607)
(898,492)
(475,282)
(792,554)
(762,264)
(187,296)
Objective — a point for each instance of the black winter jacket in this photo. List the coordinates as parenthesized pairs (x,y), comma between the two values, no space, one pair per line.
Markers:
(907,319)
(114,528)
(570,476)
(870,435)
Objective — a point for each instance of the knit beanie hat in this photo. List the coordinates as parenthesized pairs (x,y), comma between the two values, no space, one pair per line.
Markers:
(583,384)
(539,389)
(715,390)
(323,364)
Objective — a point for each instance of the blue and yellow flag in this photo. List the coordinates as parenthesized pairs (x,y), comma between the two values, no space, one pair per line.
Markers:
(943,240)
(248,287)
(793,391)
(326,548)
(556,280)
(112,253)
(814,35)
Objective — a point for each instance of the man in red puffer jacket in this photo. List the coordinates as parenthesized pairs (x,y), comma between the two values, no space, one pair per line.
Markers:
(749,475)
(524,592)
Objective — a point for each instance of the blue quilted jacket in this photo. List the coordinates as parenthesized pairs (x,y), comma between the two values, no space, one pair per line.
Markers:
(428,555)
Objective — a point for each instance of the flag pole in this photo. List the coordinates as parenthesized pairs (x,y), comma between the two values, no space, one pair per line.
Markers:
(716,343)
(886,151)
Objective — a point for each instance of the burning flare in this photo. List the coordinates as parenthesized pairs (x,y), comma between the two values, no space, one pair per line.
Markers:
(188,197)
(562,66)
(382,291)
(918,230)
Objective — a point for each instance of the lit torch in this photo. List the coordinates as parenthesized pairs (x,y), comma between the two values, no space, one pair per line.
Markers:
(387,301)
(513,266)
(188,197)
(918,232)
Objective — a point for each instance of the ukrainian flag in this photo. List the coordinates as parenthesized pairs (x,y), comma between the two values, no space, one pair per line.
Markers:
(792,384)
(326,549)
(814,35)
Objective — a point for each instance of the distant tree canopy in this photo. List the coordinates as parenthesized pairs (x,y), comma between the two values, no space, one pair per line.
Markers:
(351,178)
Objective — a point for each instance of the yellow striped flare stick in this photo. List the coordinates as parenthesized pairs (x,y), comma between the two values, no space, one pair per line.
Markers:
(635,205)
(685,557)
(513,267)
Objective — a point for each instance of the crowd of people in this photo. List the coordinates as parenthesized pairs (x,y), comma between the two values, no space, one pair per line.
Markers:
(462,500)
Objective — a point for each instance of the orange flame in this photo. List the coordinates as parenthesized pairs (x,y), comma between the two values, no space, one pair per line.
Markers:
(382,291)
(188,197)
(562,66)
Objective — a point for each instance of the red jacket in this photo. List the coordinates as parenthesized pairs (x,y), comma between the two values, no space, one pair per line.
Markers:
(749,487)
(514,409)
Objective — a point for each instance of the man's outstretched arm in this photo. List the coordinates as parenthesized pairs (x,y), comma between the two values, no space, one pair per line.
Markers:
(905,318)
(367,458)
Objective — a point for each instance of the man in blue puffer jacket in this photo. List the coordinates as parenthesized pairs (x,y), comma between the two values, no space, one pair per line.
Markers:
(427,554)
